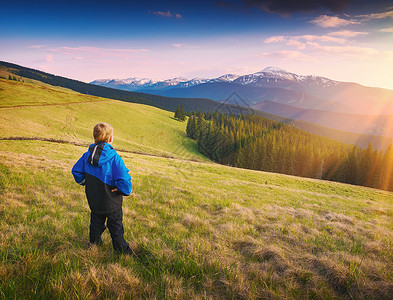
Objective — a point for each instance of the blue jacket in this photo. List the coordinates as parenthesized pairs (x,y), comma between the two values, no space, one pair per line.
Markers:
(101,170)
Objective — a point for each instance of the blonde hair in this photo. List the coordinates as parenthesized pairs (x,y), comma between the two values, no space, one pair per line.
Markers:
(102,132)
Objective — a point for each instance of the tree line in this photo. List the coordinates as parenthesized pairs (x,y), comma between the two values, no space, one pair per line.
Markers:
(254,142)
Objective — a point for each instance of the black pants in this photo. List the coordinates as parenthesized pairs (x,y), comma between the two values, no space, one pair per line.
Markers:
(114,221)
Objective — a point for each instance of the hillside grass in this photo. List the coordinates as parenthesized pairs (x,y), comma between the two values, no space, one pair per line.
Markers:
(39,110)
(203,231)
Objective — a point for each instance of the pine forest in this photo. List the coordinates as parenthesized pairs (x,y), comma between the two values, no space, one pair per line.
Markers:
(254,142)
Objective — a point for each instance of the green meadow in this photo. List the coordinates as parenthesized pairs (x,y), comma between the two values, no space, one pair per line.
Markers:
(201,230)
(38,110)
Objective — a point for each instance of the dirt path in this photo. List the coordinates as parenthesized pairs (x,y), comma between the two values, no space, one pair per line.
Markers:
(60,141)
(52,104)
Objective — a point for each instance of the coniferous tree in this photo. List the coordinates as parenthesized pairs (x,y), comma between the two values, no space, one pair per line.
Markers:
(386,180)
(177,112)
(194,127)
(181,114)
(365,166)
(188,128)
(176,116)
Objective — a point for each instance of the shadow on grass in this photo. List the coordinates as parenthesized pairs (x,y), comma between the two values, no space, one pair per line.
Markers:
(191,271)
(145,257)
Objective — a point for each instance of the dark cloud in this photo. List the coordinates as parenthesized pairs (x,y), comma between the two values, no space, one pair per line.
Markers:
(286,7)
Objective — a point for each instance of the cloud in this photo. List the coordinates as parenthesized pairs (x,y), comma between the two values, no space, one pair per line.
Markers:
(298,40)
(286,7)
(321,38)
(384,15)
(285,54)
(388,30)
(347,33)
(167,14)
(297,44)
(332,21)
(49,59)
(275,39)
(347,51)
(335,21)
(83,50)
(184,46)
(36,46)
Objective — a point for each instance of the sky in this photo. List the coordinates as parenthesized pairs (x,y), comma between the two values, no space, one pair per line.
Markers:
(345,40)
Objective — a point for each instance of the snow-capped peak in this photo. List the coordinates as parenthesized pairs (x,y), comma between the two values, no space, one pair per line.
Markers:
(176,80)
(225,78)
(101,81)
(273,70)
(138,81)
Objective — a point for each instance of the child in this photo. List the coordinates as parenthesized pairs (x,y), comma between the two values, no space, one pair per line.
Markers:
(105,177)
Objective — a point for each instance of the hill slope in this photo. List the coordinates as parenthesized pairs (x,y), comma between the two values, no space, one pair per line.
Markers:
(202,230)
(36,110)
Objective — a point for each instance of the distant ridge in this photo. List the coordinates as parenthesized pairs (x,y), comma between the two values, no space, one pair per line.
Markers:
(190,104)
(328,94)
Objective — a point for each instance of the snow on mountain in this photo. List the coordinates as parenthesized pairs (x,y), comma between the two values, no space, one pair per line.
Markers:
(277,77)
(169,83)
(192,82)
(137,81)
(100,81)
(225,78)
(174,81)
(268,77)
(274,70)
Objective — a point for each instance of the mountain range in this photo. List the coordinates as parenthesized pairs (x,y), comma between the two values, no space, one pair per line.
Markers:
(271,84)
(334,104)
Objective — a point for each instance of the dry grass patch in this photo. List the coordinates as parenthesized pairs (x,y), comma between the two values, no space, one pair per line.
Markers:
(197,238)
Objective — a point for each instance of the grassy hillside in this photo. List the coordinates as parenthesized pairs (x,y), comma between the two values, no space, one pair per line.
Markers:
(203,231)
(38,110)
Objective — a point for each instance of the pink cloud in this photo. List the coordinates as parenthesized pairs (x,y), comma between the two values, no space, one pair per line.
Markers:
(287,55)
(347,33)
(49,59)
(274,39)
(387,30)
(298,41)
(297,44)
(185,46)
(321,38)
(332,21)
(36,46)
(347,51)
(388,14)
(83,50)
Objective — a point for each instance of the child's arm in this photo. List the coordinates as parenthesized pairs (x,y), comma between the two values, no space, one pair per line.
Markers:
(78,171)
(121,177)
